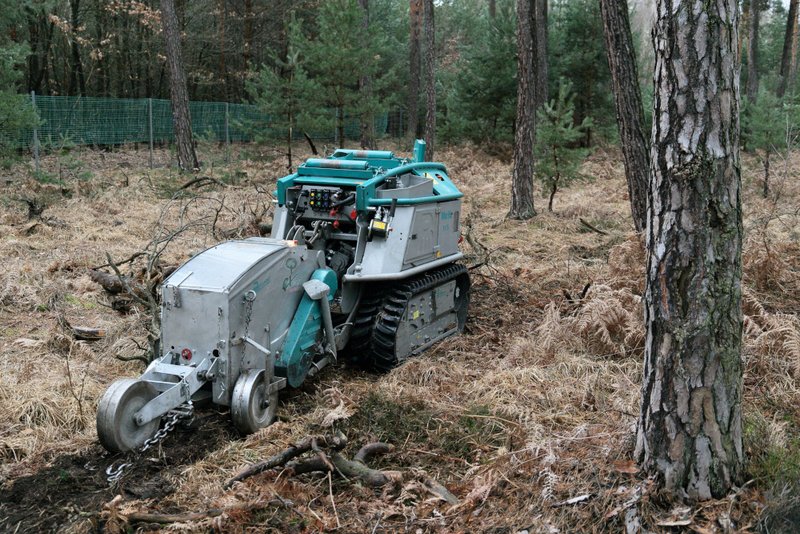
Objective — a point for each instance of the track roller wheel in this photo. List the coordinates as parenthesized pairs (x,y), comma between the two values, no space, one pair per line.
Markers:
(252,406)
(116,427)
(389,340)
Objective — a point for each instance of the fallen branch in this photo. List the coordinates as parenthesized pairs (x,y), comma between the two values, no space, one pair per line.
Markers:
(203,180)
(337,442)
(592,228)
(86,333)
(371,449)
(333,461)
(348,468)
(110,282)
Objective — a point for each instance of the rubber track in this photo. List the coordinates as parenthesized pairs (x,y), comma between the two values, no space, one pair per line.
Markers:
(360,345)
(394,304)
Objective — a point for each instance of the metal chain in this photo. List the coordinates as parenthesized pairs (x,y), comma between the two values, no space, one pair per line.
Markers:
(183,412)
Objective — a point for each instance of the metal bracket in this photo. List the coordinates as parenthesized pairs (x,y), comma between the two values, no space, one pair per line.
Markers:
(318,290)
(256,345)
(277,384)
(191,379)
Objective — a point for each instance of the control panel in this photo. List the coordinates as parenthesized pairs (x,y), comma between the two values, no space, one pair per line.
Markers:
(313,202)
(322,198)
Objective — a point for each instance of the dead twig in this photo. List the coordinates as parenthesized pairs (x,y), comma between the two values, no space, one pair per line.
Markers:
(371,449)
(122,262)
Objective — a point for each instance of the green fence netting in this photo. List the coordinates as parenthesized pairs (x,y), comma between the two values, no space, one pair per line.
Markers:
(66,120)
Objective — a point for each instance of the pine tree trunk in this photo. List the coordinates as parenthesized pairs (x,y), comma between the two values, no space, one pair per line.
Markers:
(541,68)
(365,88)
(247,31)
(690,426)
(77,83)
(788,43)
(522,174)
(415,20)
(181,119)
(430,79)
(223,69)
(752,51)
(628,101)
(492,9)
(793,58)
(340,141)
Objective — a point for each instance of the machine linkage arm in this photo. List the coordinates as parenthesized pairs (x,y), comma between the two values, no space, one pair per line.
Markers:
(161,374)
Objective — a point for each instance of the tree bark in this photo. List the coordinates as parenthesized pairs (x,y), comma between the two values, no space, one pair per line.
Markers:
(690,426)
(540,29)
(628,101)
(223,69)
(492,9)
(340,126)
(181,119)
(77,82)
(793,58)
(247,30)
(365,88)
(752,51)
(522,174)
(415,21)
(788,42)
(430,79)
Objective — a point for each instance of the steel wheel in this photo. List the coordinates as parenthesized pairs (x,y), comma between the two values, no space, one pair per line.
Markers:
(116,427)
(252,408)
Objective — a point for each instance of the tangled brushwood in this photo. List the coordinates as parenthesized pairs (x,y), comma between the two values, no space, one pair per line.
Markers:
(525,422)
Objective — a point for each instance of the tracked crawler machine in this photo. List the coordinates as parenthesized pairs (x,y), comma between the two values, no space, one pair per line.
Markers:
(361,260)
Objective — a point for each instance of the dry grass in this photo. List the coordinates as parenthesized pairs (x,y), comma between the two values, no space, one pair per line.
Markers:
(532,406)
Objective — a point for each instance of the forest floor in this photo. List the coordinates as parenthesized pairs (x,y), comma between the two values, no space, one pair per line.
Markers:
(528,418)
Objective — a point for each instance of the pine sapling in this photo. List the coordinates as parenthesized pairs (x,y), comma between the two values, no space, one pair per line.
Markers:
(558,158)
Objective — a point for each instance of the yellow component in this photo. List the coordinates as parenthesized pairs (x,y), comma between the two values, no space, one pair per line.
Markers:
(438,253)
(415,315)
(380,225)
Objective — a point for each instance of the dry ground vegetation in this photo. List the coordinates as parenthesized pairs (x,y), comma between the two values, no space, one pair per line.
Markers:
(528,418)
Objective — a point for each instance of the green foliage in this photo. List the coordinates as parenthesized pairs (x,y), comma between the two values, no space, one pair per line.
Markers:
(16,112)
(286,95)
(773,459)
(391,421)
(475,431)
(770,46)
(765,123)
(558,159)
(339,54)
(577,54)
(482,102)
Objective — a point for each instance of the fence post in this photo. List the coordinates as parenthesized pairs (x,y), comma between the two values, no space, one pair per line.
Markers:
(150,127)
(227,136)
(35,135)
